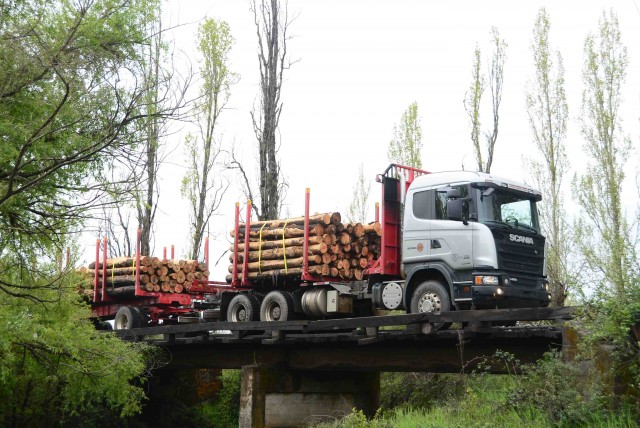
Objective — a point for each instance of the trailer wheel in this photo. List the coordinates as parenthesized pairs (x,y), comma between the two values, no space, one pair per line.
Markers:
(431,296)
(243,307)
(127,318)
(277,306)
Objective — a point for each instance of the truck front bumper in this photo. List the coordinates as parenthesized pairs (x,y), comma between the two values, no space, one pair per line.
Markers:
(501,296)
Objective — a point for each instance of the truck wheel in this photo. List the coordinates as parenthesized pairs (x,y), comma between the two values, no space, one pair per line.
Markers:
(243,307)
(127,318)
(143,316)
(277,306)
(431,296)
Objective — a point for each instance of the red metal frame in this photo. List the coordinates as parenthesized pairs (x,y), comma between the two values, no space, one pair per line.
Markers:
(305,244)
(236,238)
(245,260)
(390,252)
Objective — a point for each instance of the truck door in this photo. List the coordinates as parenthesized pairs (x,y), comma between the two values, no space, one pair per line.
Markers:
(417,226)
(451,240)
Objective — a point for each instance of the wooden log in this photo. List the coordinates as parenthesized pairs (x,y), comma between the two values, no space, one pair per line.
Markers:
(279,253)
(269,274)
(126,280)
(265,245)
(329,238)
(292,231)
(116,262)
(358,274)
(374,228)
(345,238)
(129,290)
(364,262)
(165,286)
(112,271)
(325,218)
(266,265)
(156,287)
(178,288)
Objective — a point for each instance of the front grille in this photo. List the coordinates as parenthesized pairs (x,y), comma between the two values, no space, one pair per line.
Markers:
(520,258)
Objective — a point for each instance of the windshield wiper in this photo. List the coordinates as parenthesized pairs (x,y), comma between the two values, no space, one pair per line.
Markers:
(502,223)
(526,226)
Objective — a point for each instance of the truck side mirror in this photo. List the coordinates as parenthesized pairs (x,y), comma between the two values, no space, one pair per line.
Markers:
(454,209)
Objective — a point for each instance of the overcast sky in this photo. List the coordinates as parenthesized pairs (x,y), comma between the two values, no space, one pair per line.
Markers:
(360,64)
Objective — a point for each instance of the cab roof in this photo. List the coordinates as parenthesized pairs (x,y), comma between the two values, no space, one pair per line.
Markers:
(453,178)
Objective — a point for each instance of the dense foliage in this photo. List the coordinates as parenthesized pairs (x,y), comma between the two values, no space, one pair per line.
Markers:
(68,97)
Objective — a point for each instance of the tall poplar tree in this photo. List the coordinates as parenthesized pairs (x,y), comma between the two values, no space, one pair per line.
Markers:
(484,154)
(548,112)
(201,186)
(406,144)
(604,236)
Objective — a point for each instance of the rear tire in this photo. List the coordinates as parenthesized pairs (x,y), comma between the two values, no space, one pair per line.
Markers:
(127,318)
(431,296)
(243,308)
(277,306)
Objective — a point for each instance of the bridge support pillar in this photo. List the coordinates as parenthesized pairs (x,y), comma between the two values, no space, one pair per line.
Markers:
(281,397)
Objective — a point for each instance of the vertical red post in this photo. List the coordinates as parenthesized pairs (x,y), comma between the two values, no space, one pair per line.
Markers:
(377,212)
(104,270)
(95,277)
(245,260)
(206,255)
(236,239)
(305,243)
(138,291)
(164,252)
(172,253)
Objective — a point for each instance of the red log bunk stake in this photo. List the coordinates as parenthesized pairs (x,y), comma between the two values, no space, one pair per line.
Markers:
(95,277)
(104,271)
(377,212)
(206,253)
(305,243)
(172,253)
(138,291)
(245,261)
(164,253)
(234,277)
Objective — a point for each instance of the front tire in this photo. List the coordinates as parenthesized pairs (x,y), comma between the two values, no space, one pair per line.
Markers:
(431,296)
(277,306)
(242,308)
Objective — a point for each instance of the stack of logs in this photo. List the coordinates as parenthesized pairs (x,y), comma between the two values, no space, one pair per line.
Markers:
(168,276)
(336,250)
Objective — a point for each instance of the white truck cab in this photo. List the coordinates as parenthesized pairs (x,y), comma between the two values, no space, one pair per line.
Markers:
(478,237)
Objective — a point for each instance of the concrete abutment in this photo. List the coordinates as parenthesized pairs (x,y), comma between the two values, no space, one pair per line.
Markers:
(277,397)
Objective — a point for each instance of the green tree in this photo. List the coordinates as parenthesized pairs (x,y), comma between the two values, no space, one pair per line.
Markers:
(405,147)
(54,363)
(272,27)
(604,235)
(359,207)
(473,97)
(548,112)
(201,186)
(69,99)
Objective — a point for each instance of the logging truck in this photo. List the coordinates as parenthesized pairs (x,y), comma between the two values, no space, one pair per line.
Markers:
(440,242)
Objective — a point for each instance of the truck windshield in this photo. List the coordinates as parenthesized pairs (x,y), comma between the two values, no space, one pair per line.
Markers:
(509,210)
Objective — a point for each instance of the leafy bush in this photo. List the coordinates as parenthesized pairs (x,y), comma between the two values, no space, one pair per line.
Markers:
(418,390)
(224,411)
(568,392)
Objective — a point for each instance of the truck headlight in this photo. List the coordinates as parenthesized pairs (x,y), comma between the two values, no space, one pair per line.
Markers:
(487,280)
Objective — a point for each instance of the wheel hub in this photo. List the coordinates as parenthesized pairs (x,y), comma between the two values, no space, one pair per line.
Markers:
(429,303)
(275,313)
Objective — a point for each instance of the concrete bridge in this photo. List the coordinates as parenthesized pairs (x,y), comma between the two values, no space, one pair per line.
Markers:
(292,370)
